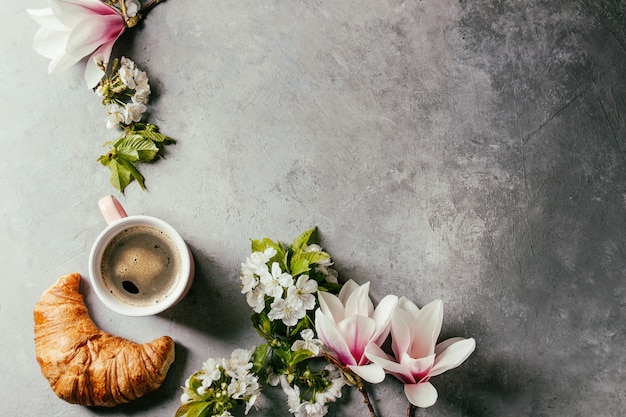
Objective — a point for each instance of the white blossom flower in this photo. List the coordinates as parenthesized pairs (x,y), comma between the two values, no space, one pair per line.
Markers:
(239,362)
(142,94)
(133,112)
(249,281)
(308,342)
(210,372)
(304,290)
(128,63)
(256,263)
(313,410)
(115,115)
(132,8)
(333,392)
(276,281)
(289,310)
(256,298)
(140,78)
(126,75)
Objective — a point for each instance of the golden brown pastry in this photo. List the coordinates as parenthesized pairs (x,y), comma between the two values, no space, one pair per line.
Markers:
(86,365)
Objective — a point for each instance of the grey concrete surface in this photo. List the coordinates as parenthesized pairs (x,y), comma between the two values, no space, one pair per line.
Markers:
(472,151)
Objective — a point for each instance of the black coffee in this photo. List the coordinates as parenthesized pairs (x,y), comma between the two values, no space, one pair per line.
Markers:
(141,265)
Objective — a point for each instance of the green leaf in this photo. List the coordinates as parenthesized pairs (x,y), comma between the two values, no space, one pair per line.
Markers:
(301,241)
(299,266)
(301,260)
(299,356)
(120,176)
(136,148)
(122,171)
(259,245)
(193,409)
(259,357)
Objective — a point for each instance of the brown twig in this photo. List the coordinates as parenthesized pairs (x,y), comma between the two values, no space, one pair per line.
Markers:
(366,398)
(409,409)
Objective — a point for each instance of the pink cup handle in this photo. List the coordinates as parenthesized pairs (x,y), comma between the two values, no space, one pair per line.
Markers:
(111,209)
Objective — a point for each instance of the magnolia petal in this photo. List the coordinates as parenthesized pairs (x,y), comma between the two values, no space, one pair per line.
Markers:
(72,12)
(372,373)
(330,306)
(359,302)
(453,355)
(376,355)
(50,43)
(408,306)
(328,333)
(421,395)
(46,19)
(401,332)
(91,33)
(357,331)
(426,328)
(419,368)
(382,316)
(93,73)
(346,289)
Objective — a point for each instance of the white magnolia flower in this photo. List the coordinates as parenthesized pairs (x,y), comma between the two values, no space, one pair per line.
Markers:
(417,355)
(276,281)
(289,310)
(308,342)
(72,29)
(348,323)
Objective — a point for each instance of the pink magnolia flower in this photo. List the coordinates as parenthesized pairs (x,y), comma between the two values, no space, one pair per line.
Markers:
(73,29)
(418,358)
(348,323)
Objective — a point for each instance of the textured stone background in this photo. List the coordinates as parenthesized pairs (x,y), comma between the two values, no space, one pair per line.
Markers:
(472,151)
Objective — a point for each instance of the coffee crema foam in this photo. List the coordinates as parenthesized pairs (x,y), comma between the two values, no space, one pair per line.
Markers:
(141,265)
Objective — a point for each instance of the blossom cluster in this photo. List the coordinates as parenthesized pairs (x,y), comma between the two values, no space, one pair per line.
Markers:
(264,281)
(316,406)
(124,93)
(221,385)
(306,317)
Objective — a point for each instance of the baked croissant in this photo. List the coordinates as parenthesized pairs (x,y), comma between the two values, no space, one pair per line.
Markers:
(86,365)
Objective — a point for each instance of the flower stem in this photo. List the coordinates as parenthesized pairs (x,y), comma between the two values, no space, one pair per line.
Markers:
(353,379)
(366,398)
(409,409)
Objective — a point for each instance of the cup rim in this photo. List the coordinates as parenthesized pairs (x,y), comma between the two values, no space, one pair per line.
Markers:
(176,293)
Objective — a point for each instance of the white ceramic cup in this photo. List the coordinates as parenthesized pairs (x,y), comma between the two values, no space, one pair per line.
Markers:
(118,222)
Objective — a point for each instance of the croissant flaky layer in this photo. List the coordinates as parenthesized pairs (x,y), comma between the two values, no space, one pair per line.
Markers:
(86,365)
